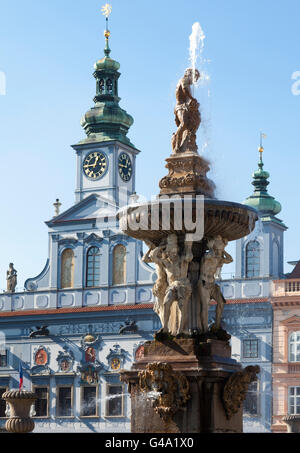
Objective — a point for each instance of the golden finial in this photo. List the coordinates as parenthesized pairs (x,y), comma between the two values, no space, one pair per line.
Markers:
(261,148)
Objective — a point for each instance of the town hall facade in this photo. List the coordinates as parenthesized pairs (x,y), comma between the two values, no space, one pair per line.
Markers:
(89,311)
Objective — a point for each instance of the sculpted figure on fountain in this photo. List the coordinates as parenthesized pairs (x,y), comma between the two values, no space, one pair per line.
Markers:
(210,267)
(187,115)
(172,288)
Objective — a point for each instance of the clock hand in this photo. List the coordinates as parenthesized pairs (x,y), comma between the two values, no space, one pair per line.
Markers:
(97,158)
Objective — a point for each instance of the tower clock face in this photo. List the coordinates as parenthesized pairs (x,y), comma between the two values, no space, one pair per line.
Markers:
(125,167)
(95,165)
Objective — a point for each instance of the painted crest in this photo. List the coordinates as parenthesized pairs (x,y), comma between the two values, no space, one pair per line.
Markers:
(41,357)
(116,358)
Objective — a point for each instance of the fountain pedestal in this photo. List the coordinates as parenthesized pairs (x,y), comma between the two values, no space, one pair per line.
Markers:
(20,402)
(187,386)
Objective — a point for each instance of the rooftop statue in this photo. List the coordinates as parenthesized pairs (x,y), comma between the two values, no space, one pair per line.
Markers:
(11,277)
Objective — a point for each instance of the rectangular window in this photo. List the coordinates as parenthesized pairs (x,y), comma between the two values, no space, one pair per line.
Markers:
(294,400)
(88,401)
(41,403)
(3,358)
(251,403)
(114,406)
(250,349)
(2,403)
(64,402)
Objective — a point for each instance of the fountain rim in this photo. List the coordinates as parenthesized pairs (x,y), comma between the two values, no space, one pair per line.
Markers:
(207,201)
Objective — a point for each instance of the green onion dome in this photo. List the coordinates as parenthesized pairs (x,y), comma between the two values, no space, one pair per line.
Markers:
(260,199)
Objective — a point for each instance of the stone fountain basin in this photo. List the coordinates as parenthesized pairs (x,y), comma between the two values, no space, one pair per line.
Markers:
(230,220)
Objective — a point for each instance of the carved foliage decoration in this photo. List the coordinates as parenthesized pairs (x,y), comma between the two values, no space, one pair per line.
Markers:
(169,390)
(236,387)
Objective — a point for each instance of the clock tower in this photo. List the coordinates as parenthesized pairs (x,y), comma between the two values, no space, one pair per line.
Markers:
(106,157)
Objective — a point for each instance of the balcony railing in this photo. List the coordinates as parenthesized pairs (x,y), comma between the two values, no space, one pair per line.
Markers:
(283,288)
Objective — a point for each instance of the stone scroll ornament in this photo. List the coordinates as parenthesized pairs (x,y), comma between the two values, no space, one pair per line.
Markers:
(236,388)
(170,389)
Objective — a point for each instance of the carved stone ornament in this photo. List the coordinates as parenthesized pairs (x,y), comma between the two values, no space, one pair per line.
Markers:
(168,390)
(89,372)
(90,341)
(236,387)
(65,360)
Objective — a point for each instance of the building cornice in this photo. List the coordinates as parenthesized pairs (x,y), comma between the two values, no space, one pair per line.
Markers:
(54,311)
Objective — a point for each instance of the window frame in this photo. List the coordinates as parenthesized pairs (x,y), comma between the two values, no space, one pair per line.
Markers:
(289,400)
(258,402)
(47,386)
(59,386)
(87,268)
(6,355)
(82,387)
(295,332)
(108,385)
(244,340)
(258,274)
(5,388)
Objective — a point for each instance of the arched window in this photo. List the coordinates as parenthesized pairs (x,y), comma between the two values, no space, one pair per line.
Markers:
(93,267)
(67,269)
(294,347)
(253,259)
(109,86)
(101,86)
(119,265)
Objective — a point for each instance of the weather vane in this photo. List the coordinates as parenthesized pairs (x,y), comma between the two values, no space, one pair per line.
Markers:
(106,11)
(261,148)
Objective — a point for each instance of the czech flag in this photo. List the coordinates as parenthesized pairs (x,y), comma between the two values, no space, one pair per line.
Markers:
(21,375)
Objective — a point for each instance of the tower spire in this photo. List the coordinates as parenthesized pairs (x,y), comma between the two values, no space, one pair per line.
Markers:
(106,121)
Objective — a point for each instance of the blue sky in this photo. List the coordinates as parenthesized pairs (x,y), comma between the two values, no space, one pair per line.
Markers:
(47,52)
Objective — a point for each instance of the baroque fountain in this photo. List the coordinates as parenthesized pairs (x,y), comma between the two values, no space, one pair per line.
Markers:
(186,381)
